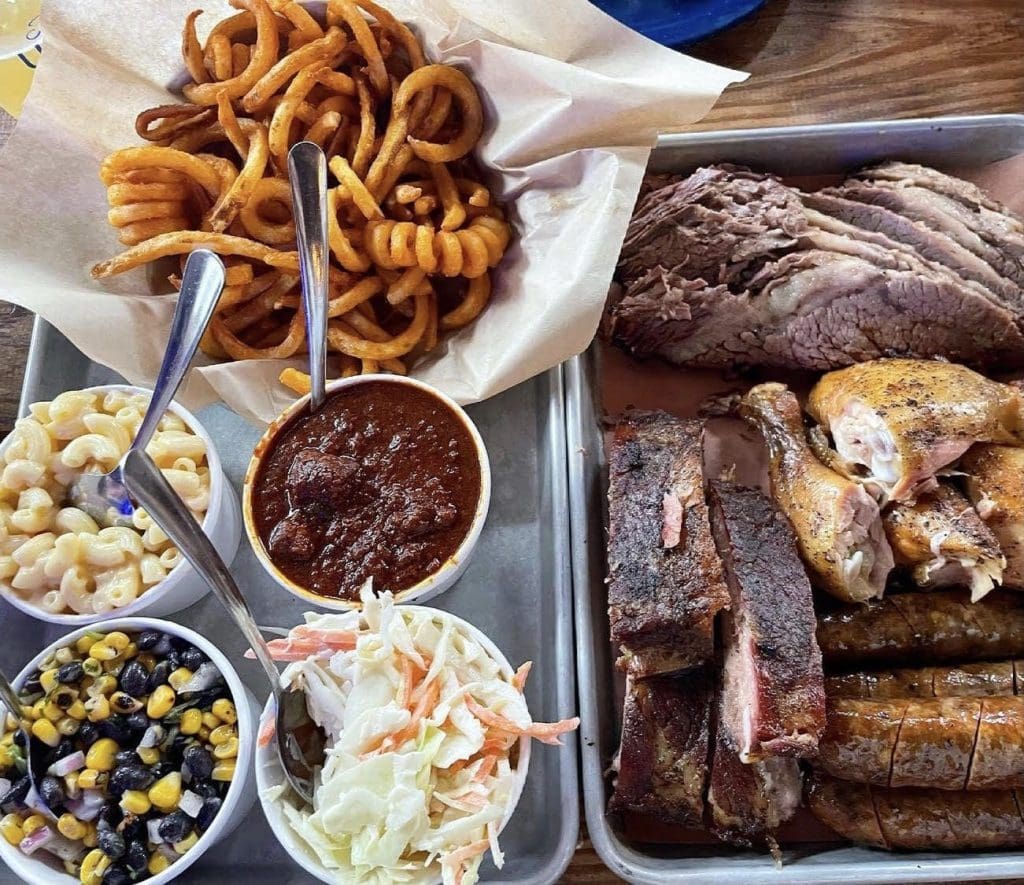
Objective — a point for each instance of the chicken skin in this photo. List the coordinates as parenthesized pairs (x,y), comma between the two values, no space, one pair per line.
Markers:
(895,422)
(995,483)
(837,523)
(943,541)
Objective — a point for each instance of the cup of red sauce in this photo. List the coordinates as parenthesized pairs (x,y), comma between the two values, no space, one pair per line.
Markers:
(388,480)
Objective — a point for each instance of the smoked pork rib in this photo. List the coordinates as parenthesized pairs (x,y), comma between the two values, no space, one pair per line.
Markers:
(665,582)
(663,758)
(773,683)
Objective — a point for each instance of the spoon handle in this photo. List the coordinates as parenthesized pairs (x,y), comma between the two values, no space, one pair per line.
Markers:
(201,284)
(307,172)
(147,484)
(10,697)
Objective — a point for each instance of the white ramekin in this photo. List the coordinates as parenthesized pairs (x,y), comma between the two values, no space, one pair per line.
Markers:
(182,587)
(269,773)
(240,796)
(431,586)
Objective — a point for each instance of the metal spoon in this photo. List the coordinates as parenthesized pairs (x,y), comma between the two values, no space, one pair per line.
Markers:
(307,172)
(35,750)
(300,741)
(103,495)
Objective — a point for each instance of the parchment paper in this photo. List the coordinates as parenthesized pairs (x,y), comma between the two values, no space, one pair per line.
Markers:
(574,103)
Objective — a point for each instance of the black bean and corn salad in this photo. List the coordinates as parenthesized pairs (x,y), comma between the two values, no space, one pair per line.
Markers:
(143,740)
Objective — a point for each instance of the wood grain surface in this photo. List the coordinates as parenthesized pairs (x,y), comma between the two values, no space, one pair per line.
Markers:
(810,61)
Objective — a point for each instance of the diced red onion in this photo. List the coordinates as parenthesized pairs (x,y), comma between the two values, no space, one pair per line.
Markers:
(205,677)
(190,803)
(5,786)
(37,839)
(88,806)
(71,762)
(152,736)
(64,848)
(167,851)
(153,831)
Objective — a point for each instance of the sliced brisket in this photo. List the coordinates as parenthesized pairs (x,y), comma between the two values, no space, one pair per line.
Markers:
(663,756)
(773,692)
(665,582)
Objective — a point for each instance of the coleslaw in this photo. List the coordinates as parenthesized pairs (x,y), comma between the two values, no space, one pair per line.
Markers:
(425,731)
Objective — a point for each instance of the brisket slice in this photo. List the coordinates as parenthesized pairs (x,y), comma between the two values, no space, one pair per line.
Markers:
(665,582)
(816,310)
(663,757)
(897,232)
(773,686)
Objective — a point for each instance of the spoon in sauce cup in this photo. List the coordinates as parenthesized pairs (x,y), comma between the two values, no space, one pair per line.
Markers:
(307,172)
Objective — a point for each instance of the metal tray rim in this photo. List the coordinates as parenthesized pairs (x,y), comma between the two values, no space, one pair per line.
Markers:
(623,859)
(565,691)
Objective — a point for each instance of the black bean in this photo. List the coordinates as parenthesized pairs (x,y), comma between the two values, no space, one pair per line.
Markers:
(136,858)
(52,791)
(117,874)
(206,789)
(70,673)
(173,659)
(18,791)
(207,813)
(159,676)
(88,734)
(133,679)
(109,817)
(175,827)
(192,658)
(33,685)
(148,639)
(163,646)
(126,757)
(199,762)
(162,768)
(65,748)
(138,721)
(133,828)
(133,776)
(111,843)
(116,728)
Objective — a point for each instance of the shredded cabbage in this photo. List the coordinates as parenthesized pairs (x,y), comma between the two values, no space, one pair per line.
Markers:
(415,784)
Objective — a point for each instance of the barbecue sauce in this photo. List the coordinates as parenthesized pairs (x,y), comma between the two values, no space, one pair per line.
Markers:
(382,482)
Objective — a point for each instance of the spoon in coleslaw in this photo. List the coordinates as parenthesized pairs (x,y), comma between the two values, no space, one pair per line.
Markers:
(428,738)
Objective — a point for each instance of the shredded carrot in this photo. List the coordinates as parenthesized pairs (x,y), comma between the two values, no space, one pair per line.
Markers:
(408,674)
(486,767)
(457,766)
(459,856)
(267,731)
(544,732)
(426,703)
(519,680)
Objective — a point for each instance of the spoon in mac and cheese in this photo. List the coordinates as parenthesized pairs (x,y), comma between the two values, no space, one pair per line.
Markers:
(103,495)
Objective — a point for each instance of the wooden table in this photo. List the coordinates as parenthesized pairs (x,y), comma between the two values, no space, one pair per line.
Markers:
(810,61)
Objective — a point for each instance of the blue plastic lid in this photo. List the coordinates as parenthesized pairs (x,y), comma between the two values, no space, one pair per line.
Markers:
(678,21)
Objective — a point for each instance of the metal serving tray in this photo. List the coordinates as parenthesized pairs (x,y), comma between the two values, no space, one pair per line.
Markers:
(954,142)
(517,590)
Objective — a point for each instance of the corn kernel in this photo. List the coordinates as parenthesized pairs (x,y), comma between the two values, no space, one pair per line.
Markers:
(37,708)
(186,843)
(191,721)
(210,721)
(91,838)
(118,640)
(92,668)
(160,702)
(147,660)
(224,771)
(90,778)
(203,734)
(46,731)
(113,667)
(101,754)
(93,867)
(28,711)
(64,655)
(166,792)
(135,802)
(52,712)
(70,826)
(221,734)
(76,710)
(131,650)
(48,680)
(32,823)
(84,643)
(11,828)
(148,755)
(67,726)
(103,651)
(157,863)
(227,750)
(71,783)
(179,677)
(102,685)
(225,711)
(124,703)
(97,708)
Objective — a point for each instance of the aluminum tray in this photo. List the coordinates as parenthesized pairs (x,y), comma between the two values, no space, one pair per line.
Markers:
(804,150)
(517,590)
